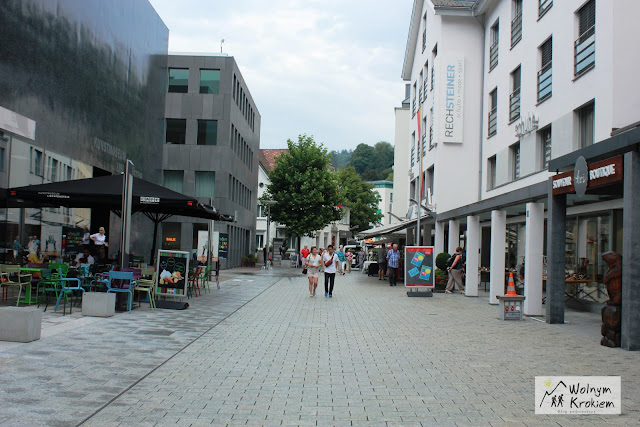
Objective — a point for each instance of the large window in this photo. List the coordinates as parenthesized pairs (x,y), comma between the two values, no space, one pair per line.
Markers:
(53,171)
(176,131)
(430,181)
(544,6)
(210,81)
(205,184)
(586,121)
(178,80)
(516,22)
(491,172)
(585,45)
(173,180)
(259,241)
(207,132)
(493,50)
(515,161)
(546,73)
(544,138)
(514,98)
(1,158)
(493,112)
(69,173)
(37,162)
(413,149)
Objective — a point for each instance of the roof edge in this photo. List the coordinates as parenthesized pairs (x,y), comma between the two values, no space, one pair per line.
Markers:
(412,40)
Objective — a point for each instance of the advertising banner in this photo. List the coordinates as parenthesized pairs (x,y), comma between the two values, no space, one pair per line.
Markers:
(419,271)
(51,240)
(449,115)
(223,245)
(173,268)
(203,245)
(72,238)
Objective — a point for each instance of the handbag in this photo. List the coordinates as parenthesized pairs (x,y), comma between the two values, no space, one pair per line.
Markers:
(304,270)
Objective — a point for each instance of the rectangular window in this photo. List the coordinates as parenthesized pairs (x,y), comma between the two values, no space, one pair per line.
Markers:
(69,173)
(173,180)
(493,112)
(493,50)
(413,149)
(259,241)
(38,163)
(179,80)
(414,99)
(585,45)
(176,131)
(262,210)
(53,172)
(210,81)
(544,6)
(545,74)
(491,172)
(430,181)
(516,22)
(514,98)
(419,88)
(515,161)
(1,158)
(424,136)
(544,138)
(426,79)
(207,132)
(205,184)
(424,32)
(586,121)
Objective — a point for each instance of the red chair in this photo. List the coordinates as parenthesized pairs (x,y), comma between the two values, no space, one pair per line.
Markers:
(194,281)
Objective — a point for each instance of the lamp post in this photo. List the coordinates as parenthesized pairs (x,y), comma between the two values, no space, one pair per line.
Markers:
(268,204)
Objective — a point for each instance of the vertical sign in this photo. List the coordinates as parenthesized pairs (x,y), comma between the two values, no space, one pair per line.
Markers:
(419,270)
(223,245)
(450,102)
(127,193)
(173,272)
(203,245)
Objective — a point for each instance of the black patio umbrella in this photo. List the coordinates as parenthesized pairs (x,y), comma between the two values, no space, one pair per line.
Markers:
(105,192)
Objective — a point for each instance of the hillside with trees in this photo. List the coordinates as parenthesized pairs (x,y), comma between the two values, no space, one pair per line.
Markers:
(372,163)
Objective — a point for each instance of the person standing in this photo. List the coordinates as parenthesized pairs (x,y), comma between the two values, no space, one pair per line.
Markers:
(330,262)
(349,256)
(382,262)
(341,259)
(100,240)
(304,253)
(393,260)
(16,249)
(362,255)
(312,263)
(86,238)
(455,272)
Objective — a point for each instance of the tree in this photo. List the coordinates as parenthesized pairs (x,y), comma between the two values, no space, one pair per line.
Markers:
(360,198)
(304,189)
(339,159)
(383,155)
(363,158)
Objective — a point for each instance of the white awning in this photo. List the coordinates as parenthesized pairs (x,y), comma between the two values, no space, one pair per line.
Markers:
(389,229)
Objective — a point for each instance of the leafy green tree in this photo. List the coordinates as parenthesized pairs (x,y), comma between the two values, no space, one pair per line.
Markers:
(383,155)
(304,189)
(389,176)
(357,195)
(363,158)
(339,159)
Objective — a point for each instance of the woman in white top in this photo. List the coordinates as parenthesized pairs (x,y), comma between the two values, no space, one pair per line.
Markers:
(312,263)
(100,240)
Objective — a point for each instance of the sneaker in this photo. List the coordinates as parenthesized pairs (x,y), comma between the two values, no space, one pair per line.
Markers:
(330,295)
(314,293)
(326,294)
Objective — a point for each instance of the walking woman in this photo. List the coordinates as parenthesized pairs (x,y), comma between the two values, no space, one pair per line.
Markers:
(312,262)
(455,272)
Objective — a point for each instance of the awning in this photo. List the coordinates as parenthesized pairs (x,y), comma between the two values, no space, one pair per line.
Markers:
(389,229)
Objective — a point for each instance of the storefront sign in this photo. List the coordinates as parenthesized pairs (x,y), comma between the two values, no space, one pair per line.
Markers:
(419,270)
(584,176)
(147,200)
(451,99)
(526,125)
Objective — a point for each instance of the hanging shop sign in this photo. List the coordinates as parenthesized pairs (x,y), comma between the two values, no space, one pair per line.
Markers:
(585,177)
(527,124)
(450,102)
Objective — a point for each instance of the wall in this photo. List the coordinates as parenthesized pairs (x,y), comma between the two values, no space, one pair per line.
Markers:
(401,163)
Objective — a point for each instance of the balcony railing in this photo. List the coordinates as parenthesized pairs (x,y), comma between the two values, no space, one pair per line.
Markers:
(424,90)
(420,95)
(544,6)
(414,107)
(493,121)
(514,105)
(413,156)
(585,52)
(424,40)
(431,144)
(544,82)
(493,56)
(424,144)
(516,29)
(433,80)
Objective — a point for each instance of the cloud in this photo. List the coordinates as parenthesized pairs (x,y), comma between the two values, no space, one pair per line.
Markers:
(326,68)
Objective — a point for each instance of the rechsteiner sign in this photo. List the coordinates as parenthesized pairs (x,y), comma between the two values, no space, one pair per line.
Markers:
(450,102)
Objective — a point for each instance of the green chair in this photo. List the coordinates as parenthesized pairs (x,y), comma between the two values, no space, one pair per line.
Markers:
(204,277)
(56,266)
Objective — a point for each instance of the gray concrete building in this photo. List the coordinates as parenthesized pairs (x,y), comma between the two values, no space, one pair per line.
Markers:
(211,150)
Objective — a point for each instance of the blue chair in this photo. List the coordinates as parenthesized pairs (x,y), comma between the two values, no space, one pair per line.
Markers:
(68,286)
(127,284)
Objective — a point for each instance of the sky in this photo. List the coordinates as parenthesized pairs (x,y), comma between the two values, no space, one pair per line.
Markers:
(327,68)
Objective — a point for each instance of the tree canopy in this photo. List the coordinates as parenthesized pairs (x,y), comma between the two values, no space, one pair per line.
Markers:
(304,189)
(373,163)
(360,198)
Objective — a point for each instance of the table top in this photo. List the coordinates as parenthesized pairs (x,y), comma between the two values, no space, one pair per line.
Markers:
(30,269)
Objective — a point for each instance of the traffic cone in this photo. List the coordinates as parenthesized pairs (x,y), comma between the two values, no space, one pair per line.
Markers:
(511,289)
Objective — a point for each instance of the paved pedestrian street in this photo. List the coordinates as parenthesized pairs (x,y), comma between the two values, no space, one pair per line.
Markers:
(260,351)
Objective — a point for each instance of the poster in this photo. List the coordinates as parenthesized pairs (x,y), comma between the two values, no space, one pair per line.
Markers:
(223,245)
(72,239)
(419,270)
(203,243)
(174,273)
(51,240)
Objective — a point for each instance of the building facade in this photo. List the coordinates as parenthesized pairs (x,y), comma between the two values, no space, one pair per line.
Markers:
(211,150)
(401,159)
(384,190)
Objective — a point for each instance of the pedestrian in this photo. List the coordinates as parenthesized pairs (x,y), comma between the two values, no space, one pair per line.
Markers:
(455,272)
(16,249)
(349,256)
(330,261)
(382,262)
(312,264)
(86,238)
(342,259)
(32,246)
(362,255)
(100,240)
(304,253)
(393,260)
(321,252)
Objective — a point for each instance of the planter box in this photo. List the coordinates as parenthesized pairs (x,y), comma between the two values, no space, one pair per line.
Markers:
(20,324)
(98,304)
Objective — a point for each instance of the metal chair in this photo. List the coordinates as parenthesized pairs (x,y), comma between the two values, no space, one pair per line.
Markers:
(15,278)
(127,285)
(148,286)
(68,287)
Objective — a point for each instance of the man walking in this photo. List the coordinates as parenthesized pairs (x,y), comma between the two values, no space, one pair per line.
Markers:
(393,260)
(382,262)
(304,253)
(330,261)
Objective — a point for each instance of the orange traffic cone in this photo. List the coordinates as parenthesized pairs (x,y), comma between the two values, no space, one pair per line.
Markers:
(511,289)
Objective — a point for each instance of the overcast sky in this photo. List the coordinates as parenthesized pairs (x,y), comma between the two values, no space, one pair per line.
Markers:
(328,68)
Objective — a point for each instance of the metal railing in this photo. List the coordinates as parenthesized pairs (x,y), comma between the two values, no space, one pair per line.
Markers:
(424,90)
(585,52)
(424,40)
(514,105)
(414,107)
(431,144)
(516,29)
(420,95)
(424,144)
(433,80)
(493,56)
(544,6)
(544,82)
(413,156)
(493,121)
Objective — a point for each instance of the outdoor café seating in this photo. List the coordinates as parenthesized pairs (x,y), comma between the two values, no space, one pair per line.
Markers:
(122,282)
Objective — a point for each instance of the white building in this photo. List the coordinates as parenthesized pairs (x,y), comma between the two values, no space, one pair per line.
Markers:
(544,82)
(384,190)
(401,160)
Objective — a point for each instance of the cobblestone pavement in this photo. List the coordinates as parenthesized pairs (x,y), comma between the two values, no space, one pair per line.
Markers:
(265,353)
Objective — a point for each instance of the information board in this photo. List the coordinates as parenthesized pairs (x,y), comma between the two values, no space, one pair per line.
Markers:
(173,273)
(419,271)
(72,239)
(223,245)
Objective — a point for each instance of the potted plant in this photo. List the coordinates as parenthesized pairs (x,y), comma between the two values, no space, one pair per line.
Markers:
(441,275)
(249,260)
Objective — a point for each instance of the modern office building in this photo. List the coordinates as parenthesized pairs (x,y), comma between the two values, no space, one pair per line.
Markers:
(82,88)
(211,149)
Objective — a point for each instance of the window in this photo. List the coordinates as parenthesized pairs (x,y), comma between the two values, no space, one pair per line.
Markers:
(1,158)
(173,180)
(544,138)
(414,99)
(424,136)
(207,132)
(493,112)
(53,171)
(491,172)
(514,98)
(493,50)
(69,173)
(262,210)
(586,125)
(413,149)
(37,162)
(234,87)
(424,32)
(178,80)
(545,73)
(176,131)
(419,89)
(431,143)
(205,184)
(210,81)
(515,161)
(516,22)
(430,181)
(585,46)
(259,241)
(544,6)
(426,79)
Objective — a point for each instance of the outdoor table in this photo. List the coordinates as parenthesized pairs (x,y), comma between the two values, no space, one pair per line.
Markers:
(576,287)
(27,292)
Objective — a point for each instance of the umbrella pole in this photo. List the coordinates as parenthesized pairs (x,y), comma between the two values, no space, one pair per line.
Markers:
(153,244)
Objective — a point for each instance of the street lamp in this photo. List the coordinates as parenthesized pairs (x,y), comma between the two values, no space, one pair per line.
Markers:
(268,204)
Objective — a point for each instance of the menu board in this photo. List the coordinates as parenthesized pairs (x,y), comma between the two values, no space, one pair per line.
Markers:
(173,273)
(72,240)
(418,267)
(223,246)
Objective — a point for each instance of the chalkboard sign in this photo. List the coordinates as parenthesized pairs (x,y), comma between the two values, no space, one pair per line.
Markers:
(223,246)
(72,240)
(173,273)
(418,267)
